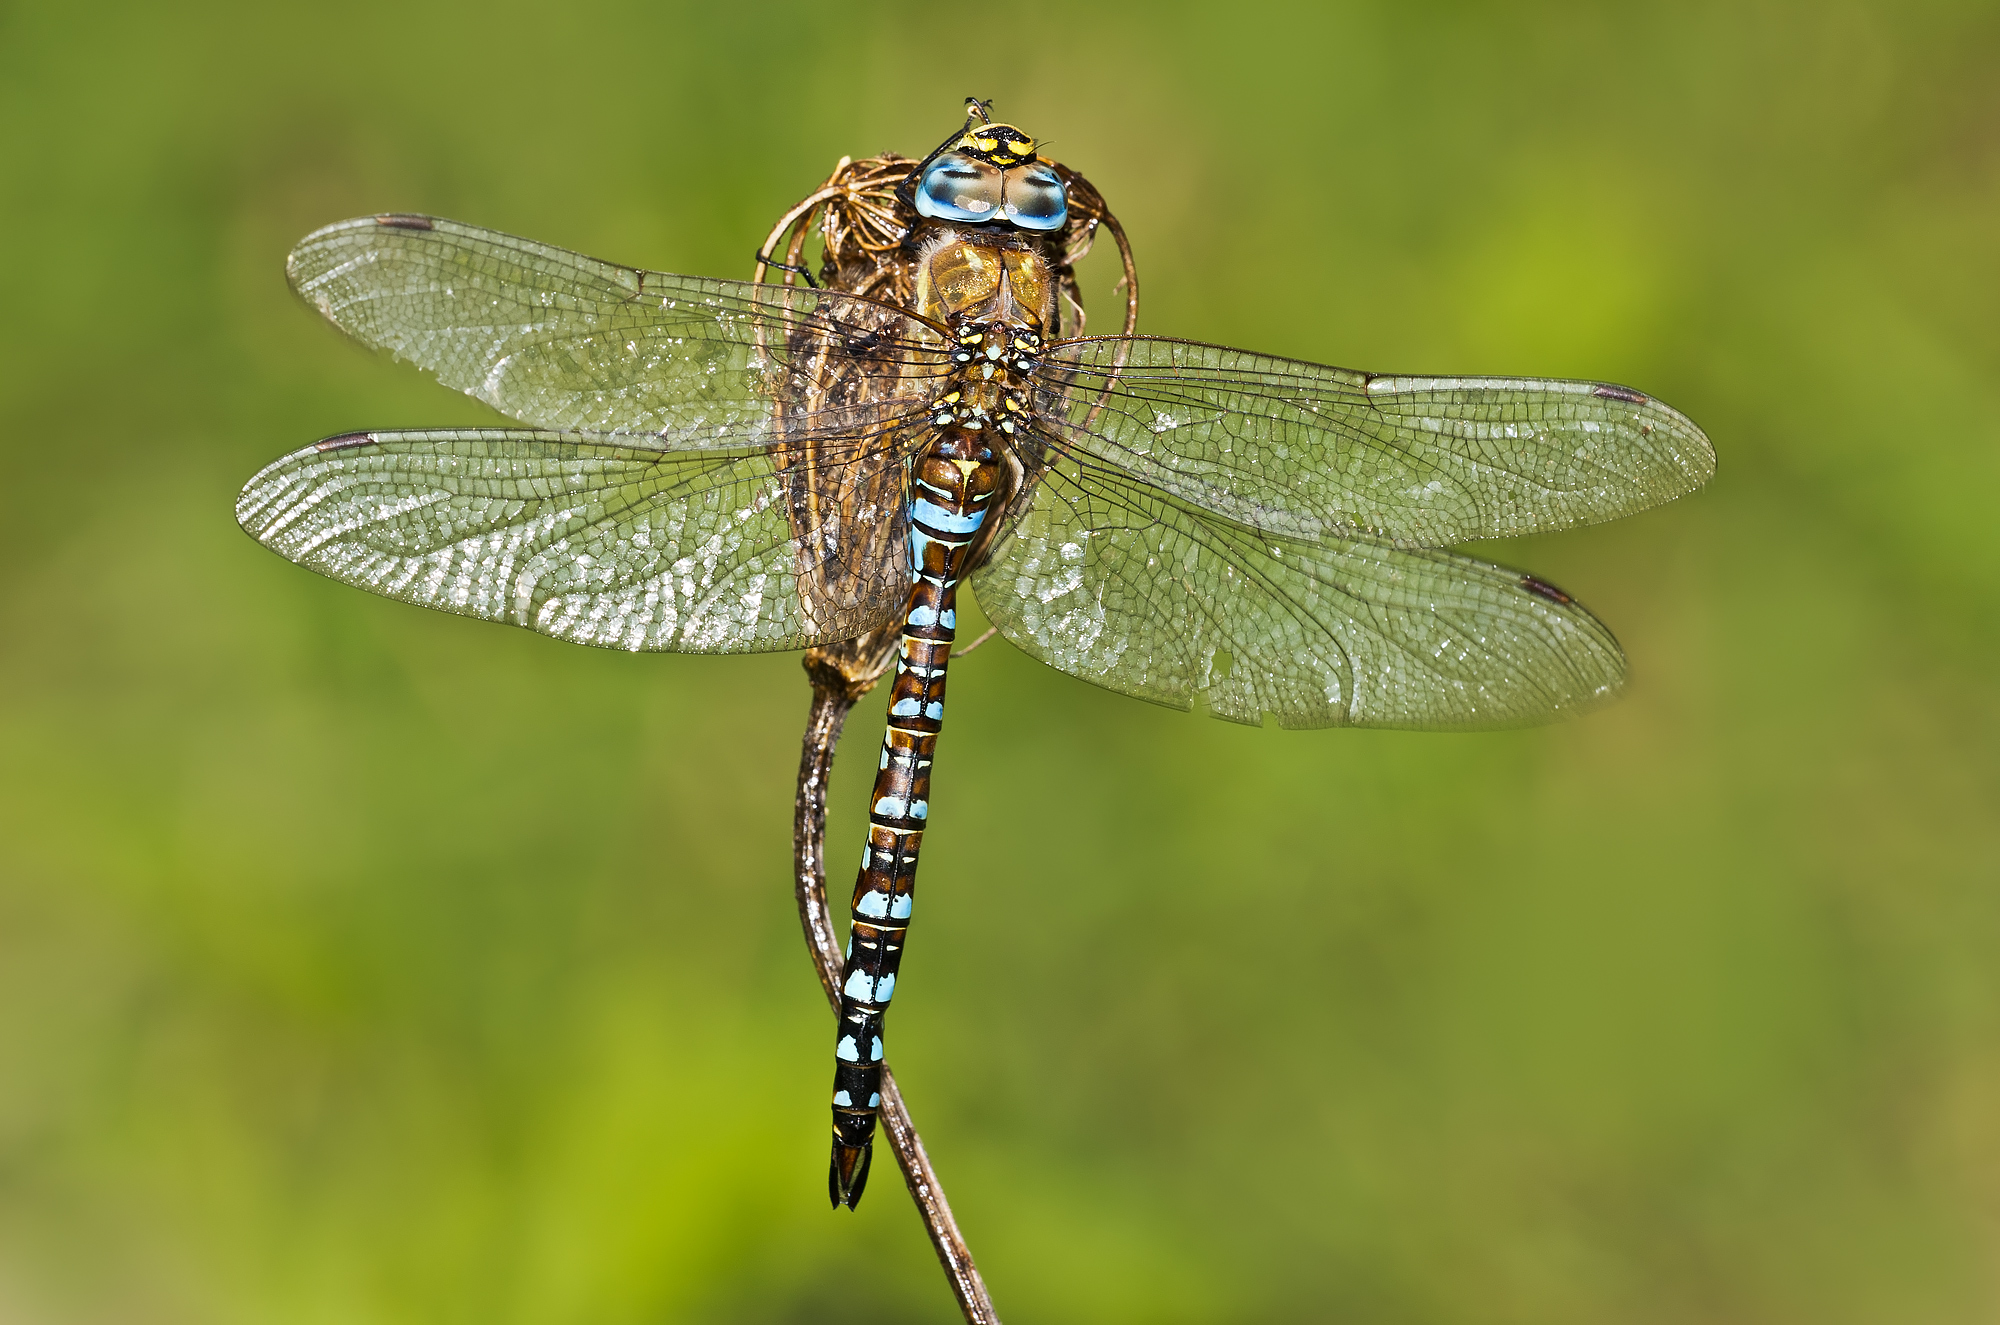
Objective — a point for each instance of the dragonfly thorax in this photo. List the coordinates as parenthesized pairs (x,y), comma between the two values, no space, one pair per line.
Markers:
(979,403)
(984,347)
(965,279)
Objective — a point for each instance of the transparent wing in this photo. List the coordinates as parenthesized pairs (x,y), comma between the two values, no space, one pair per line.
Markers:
(562,341)
(1143,593)
(598,540)
(1303,449)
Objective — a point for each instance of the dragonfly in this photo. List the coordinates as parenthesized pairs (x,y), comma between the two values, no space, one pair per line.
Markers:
(706,465)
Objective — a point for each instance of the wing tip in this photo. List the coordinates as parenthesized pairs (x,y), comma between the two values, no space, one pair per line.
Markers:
(1694,456)
(302,251)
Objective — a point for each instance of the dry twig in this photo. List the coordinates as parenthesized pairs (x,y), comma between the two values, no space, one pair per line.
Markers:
(830,706)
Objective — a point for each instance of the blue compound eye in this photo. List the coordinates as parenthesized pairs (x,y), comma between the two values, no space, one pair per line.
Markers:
(959,188)
(1035,198)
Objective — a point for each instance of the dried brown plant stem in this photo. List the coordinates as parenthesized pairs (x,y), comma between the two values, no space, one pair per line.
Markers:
(832,700)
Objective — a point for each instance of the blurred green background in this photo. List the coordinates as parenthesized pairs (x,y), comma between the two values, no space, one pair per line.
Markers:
(361,964)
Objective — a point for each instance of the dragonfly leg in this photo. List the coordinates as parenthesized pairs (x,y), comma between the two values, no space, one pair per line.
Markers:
(793,267)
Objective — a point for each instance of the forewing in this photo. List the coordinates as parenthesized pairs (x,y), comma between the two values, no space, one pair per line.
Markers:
(562,341)
(1143,593)
(599,540)
(1303,449)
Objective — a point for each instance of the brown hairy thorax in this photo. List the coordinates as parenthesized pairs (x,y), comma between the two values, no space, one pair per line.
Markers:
(873,243)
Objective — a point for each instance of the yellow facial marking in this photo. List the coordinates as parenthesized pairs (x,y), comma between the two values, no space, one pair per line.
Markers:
(1002,144)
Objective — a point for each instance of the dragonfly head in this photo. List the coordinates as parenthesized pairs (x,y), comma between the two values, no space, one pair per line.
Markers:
(989,172)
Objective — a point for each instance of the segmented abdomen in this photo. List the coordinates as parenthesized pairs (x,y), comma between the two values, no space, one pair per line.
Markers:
(953,481)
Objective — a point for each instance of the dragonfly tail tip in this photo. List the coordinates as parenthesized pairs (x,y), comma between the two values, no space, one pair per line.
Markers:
(848,1174)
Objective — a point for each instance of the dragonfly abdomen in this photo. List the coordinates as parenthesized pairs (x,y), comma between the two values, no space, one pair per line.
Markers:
(953,483)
